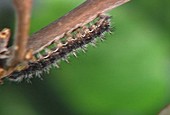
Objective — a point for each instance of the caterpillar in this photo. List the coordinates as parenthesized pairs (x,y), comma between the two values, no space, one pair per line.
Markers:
(72,41)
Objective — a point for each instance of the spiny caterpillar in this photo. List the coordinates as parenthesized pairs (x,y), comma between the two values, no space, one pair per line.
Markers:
(79,38)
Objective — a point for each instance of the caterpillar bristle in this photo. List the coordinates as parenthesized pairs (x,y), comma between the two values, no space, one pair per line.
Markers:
(74,53)
(55,65)
(66,60)
(73,41)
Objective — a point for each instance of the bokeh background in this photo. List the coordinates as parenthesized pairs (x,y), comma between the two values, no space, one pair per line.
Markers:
(128,74)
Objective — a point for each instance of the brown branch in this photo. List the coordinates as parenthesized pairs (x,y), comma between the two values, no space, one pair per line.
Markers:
(80,16)
(23,13)
(165,111)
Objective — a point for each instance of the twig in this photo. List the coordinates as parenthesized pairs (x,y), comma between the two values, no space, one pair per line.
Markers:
(23,13)
(80,16)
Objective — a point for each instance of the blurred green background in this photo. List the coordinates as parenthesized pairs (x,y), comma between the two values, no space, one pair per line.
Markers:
(128,74)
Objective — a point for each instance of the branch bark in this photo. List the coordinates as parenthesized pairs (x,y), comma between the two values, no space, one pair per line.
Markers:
(80,16)
(23,14)
(165,111)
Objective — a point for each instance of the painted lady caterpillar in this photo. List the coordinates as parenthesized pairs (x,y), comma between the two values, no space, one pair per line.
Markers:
(55,42)
(79,38)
